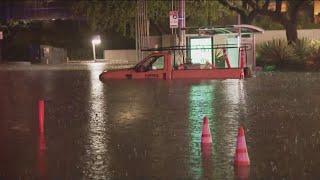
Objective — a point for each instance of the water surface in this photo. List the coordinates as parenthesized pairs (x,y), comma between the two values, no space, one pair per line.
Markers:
(151,129)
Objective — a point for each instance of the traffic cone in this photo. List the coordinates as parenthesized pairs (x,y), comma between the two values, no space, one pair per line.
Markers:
(241,157)
(242,172)
(206,134)
(206,151)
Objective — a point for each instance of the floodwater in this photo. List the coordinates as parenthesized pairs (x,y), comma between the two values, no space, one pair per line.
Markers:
(151,129)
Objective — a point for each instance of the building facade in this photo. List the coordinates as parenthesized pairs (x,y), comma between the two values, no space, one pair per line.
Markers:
(35,9)
(316,11)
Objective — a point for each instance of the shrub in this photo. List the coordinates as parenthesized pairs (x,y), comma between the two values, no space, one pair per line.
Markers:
(303,52)
(316,49)
(275,52)
(313,63)
(219,58)
(303,47)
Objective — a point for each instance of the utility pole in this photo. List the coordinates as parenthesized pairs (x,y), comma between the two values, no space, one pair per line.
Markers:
(182,31)
(1,40)
(182,22)
(142,28)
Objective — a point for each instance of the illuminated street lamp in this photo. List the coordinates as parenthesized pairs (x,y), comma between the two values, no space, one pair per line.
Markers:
(95,41)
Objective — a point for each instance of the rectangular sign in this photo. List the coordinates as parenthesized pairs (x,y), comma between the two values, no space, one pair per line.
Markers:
(174,22)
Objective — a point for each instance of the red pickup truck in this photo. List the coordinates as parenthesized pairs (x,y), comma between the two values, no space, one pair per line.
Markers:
(159,65)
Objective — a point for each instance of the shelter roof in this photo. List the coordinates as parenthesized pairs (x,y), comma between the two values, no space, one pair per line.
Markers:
(231,29)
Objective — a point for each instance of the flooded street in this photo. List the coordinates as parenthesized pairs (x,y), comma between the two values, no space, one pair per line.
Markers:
(152,129)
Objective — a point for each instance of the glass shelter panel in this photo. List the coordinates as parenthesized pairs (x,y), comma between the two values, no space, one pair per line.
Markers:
(201,51)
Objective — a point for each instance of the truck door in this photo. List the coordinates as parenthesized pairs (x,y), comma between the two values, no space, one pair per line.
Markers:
(153,67)
(156,69)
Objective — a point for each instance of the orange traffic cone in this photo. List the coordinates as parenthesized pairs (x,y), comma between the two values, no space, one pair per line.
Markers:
(206,134)
(242,172)
(241,157)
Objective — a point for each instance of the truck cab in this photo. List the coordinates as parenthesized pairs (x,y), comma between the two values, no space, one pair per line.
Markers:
(157,65)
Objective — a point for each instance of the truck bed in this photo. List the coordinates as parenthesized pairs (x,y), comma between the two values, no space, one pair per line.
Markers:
(232,73)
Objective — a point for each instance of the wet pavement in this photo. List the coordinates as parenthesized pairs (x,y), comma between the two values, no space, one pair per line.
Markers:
(152,129)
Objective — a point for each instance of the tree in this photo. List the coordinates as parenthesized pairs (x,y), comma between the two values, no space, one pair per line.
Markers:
(288,18)
(249,9)
(198,13)
(108,15)
(120,15)
(201,13)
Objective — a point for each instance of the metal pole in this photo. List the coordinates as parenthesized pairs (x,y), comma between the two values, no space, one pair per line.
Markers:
(136,33)
(254,52)
(182,21)
(171,10)
(239,39)
(182,26)
(1,40)
(1,50)
(147,24)
(94,51)
(214,52)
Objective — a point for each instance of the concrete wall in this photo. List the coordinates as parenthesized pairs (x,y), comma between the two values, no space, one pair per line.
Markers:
(120,56)
(169,40)
(129,55)
(155,41)
(281,34)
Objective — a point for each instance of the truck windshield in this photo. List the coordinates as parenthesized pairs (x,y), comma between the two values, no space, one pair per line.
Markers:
(147,64)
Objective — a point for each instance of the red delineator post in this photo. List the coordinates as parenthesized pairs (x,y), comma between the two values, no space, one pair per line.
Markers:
(41,115)
(242,58)
(41,141)
(226,57)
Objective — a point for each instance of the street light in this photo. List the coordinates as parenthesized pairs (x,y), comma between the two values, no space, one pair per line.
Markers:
(95,41)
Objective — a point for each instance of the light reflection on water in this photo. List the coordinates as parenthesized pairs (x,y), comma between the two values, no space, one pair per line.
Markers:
(41,155)
(223,113)
(231,103)
(200,105)
(96,150)
(235,107)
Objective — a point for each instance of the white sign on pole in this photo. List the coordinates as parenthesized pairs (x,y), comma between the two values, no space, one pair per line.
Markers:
(174,22)
(1,35)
